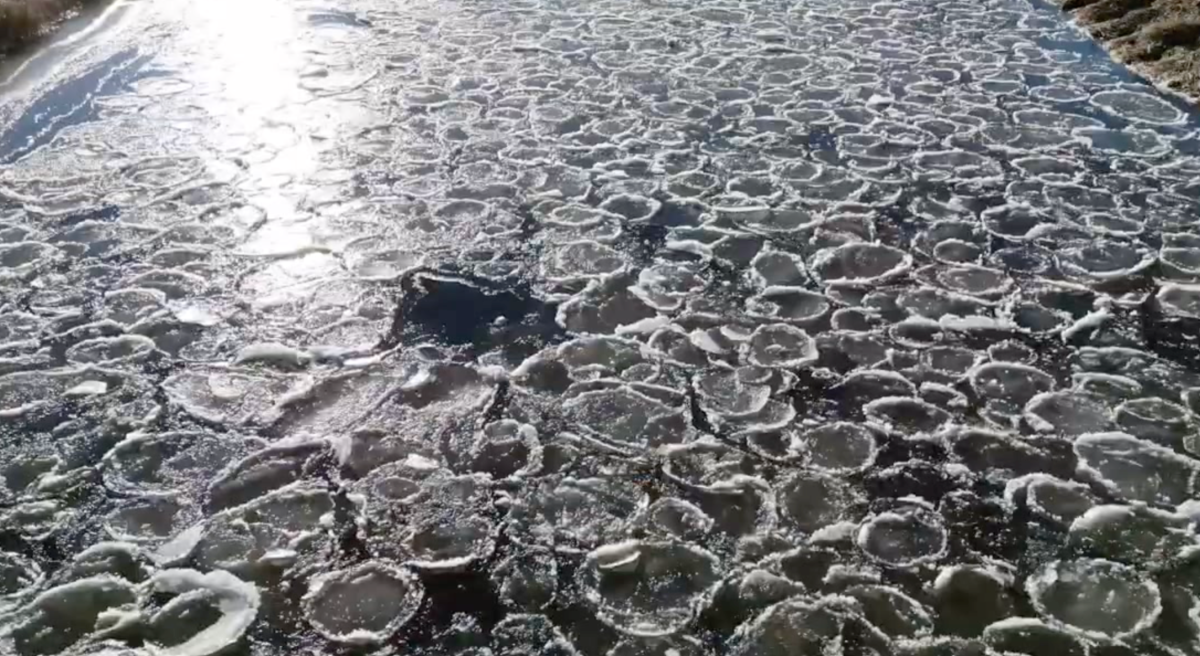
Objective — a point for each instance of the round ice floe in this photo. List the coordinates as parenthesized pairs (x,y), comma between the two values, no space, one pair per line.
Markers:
(38,520)
(1180,300)
(1098,598)
(953,165)
(1132,534)
(806,626)
(676,645)
(607,307)
(907,535)
(26,255)
(969,597)
(527,580)
(149,519)
(772,268)
(1138,107)
(974,280)
(580,260)
(506,448)
(1104,261)
(575,515)
(1135,469)
(19,578)
(949,363)
(365,604)
(732,393)
(1027,635)
(860,264)
(65,615)
(1009,382)
(1051,497)
(649,588)
(1017,222)
(1107,386)
(1157,420)
(624,418)
(633,207)
(1112,224)
(792,305)
(445,526)
(1128,142)
(1023,259)
(906,415)
(675,519)
(1048,167)
(675,347)
(269,469)
(26,391)
(227,604)
(1068,413)
(224,395)
(808,502)
(838,447)
(892,611)
(1059,93)
(126,349)
(864,385)
(171,462)
(781,345)
(602,356)
(280,529)
(666,286)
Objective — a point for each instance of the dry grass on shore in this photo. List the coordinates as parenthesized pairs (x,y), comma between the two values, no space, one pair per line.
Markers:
(1158,38)
(22,21)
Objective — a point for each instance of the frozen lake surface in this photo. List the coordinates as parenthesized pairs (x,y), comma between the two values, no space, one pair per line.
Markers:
(613,328)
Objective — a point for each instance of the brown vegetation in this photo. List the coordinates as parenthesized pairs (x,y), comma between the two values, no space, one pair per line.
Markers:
(22,21)
(1158,38)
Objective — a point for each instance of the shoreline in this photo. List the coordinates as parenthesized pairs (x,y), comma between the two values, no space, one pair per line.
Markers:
(23,22)
(1157,39)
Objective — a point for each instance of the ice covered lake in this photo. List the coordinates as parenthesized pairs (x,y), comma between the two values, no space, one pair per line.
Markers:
(609,328)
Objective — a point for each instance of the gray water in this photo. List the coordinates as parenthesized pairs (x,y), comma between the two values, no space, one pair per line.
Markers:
(616,328)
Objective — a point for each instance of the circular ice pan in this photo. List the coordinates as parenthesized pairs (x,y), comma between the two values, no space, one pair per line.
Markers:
(1068,413)
(623,419)
(1119,462)
(1029,635)
(787,304)
(527,579)
(807,625)
(907,416)
(910,534)
(839,448)
(150,519)
(207,614)
(1138,107)
(860,264)
(780,345)
(1096,598)
(362,605)
(575,515)
(172,463)
(892,611)
(1132,534)
(808,502)
(1104,261)
(287,527)
(1158,420)
(20,577)
(66,615)
(649,588)
(1051,497)
(1009,382)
